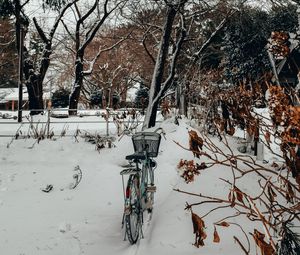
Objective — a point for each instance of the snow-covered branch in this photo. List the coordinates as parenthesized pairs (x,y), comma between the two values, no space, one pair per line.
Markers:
(166,85)
(92,32)
(67,30)
(92,63)
(145,46)
(40,31)
(59,18)
(212,36)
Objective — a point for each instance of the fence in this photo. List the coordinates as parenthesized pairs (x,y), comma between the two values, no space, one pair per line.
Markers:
(53,119)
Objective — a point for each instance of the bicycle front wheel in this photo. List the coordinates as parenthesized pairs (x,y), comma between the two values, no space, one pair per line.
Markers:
(133,215)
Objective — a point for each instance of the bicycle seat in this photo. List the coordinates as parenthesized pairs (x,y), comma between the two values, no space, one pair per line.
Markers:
(135,156)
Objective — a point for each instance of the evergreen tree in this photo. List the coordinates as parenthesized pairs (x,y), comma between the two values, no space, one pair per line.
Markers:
(142,97)
(115,100)
(96,98)
(60,98)
(244,46)
(6,8)
(246,37)
(283,18)
(53,4)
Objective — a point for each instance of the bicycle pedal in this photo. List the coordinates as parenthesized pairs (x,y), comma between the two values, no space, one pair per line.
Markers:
(151,189)
(129,171)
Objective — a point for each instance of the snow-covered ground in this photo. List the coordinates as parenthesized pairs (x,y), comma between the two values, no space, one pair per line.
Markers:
(87,219)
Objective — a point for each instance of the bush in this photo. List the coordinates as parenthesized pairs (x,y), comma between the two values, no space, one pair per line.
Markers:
(60,98)
(115,100)
(96,98)
(142,97)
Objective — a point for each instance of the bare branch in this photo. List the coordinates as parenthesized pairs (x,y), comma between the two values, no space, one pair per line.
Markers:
(92,63)
(40,31)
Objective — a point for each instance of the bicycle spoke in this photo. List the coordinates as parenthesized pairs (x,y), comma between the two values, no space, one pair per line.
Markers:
(132,219)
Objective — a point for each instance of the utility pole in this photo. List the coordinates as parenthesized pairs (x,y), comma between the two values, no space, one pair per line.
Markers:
(20,83)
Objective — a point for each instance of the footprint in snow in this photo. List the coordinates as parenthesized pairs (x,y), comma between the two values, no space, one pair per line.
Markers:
(64,227)
(12,177)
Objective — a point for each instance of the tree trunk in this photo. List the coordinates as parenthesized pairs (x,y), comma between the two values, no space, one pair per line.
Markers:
(35,94)
(181,100)
(75,94)
(34,84)
(157,77)
(33,79)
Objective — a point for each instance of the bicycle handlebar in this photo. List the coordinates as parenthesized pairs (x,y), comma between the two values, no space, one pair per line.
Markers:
(161,133)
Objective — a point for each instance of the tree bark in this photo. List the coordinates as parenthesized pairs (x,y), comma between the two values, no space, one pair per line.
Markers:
(75,94)
(157,77)
(34,79)
(182,103)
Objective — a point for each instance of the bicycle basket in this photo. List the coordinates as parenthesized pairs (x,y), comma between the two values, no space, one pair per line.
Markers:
(146,141)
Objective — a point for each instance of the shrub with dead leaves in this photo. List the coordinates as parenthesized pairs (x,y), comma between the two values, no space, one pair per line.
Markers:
(277,203)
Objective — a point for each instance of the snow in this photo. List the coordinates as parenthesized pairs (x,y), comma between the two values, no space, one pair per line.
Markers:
(131,93)
(4,92)
(10,94)
(87,219)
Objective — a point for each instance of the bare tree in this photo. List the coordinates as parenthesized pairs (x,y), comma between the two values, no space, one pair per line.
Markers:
(34,75)
(84,35)
(158,87)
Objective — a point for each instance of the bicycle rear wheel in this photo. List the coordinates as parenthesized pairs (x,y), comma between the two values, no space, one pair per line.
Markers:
(133,215)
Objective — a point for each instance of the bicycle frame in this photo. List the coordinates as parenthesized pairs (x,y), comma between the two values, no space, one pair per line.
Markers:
(145,177)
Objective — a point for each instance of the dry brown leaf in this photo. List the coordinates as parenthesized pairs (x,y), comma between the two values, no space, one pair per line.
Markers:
(223,224)
(268,137)
(216,236)
(265,248)
(181,163)
(271,193)
(190,169)
(231,131)
(290,193)
(198,225)
(195,143)
(239,195)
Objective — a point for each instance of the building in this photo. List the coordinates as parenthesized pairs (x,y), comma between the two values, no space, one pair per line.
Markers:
(9,98)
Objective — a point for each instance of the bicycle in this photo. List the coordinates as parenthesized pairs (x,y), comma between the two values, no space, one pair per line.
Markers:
(140,189)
